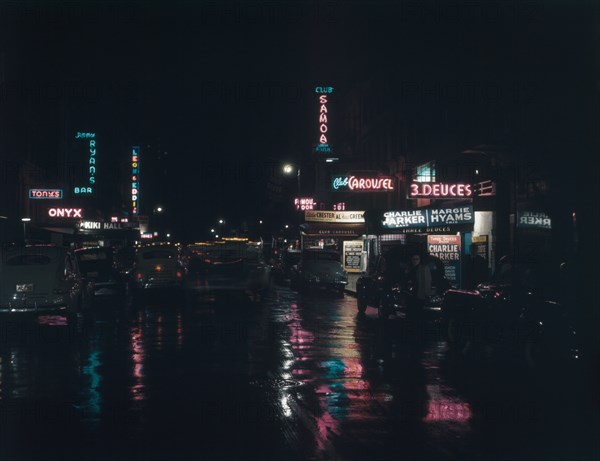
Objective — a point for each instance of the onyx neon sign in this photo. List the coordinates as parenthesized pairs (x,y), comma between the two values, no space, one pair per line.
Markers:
(135,180)
(362,183)
(439,190)
(65,212)
(323,92)
(45,194)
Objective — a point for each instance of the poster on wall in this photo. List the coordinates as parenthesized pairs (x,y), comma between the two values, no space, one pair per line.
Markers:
(352,255)
(447,249)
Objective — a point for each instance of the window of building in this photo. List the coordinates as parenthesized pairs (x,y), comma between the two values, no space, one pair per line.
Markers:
(425,172)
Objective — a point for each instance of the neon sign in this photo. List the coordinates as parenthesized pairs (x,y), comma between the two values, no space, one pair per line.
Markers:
(340,206)
(533,219)
(45,194)
(65,212)
(87,189)
(304,203)
(323,92)
(362,183)
(135,180)
(439,190)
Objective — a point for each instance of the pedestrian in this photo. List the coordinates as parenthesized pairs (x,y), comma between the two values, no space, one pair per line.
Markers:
(419,279)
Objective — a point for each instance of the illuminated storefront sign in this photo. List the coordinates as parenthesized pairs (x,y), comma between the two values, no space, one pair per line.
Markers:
(447,248)
(100,225)
(304,203)
(428,218)
(533,220)
(339,206)
(90,140)
(65,212)
(323,93)
(146,235)
(439,190)
(356,183)
(135,180)
(45,194)
(335,216)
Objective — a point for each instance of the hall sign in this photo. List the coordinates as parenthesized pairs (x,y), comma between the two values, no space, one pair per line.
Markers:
(344,183)
(533,220)
(65,212)
(433,190)
(335,216)
(99,225)
(426,218)
(45,194)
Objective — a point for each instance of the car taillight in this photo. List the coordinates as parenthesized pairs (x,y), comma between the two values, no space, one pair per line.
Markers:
(139,276)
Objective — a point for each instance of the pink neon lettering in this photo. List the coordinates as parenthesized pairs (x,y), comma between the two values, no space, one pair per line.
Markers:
(444,189)
(323,100)
(426,189)
(323,109)
(323,139)
(468,190)
(323,128)
(453,190)
(414,189)
(323,118)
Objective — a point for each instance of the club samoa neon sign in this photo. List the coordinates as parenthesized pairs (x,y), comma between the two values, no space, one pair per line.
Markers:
(355,183)
(323,92)
(439,190)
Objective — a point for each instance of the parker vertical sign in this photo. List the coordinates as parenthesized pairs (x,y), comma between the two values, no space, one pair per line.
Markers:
(447,248)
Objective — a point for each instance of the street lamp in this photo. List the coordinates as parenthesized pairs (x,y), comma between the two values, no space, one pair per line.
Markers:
(288,169)
(25,221)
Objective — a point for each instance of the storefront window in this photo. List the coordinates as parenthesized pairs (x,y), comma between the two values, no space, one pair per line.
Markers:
(426,172)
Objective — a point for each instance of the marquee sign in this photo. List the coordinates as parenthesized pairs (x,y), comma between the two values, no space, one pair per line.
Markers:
(362,183)
(101,225)
(426,218)
(90,141)
(45,194)
(323,93)
(434,190)
(135,180)
(335,216)
(65,212)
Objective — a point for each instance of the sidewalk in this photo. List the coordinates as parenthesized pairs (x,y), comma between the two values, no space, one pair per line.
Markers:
(351,287)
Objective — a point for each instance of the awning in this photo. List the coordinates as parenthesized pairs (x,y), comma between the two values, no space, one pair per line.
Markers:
(333,229)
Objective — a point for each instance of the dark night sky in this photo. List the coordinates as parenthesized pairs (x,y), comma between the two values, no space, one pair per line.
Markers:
(225,87)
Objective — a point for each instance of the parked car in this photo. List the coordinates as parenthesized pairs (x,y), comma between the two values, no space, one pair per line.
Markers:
(517,314)
(283,265)
(158,267)
(319,269)
(42,279)
(99,265)
(387,287)
(235,266)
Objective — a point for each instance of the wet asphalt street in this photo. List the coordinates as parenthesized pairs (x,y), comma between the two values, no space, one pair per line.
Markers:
(295,377)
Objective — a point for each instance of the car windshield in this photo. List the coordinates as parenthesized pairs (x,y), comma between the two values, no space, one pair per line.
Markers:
(29,260)
(158,254)
(320,256)
(93,256)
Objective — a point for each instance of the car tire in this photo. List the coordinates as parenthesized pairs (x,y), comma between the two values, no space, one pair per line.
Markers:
(361,303)
(382,311)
